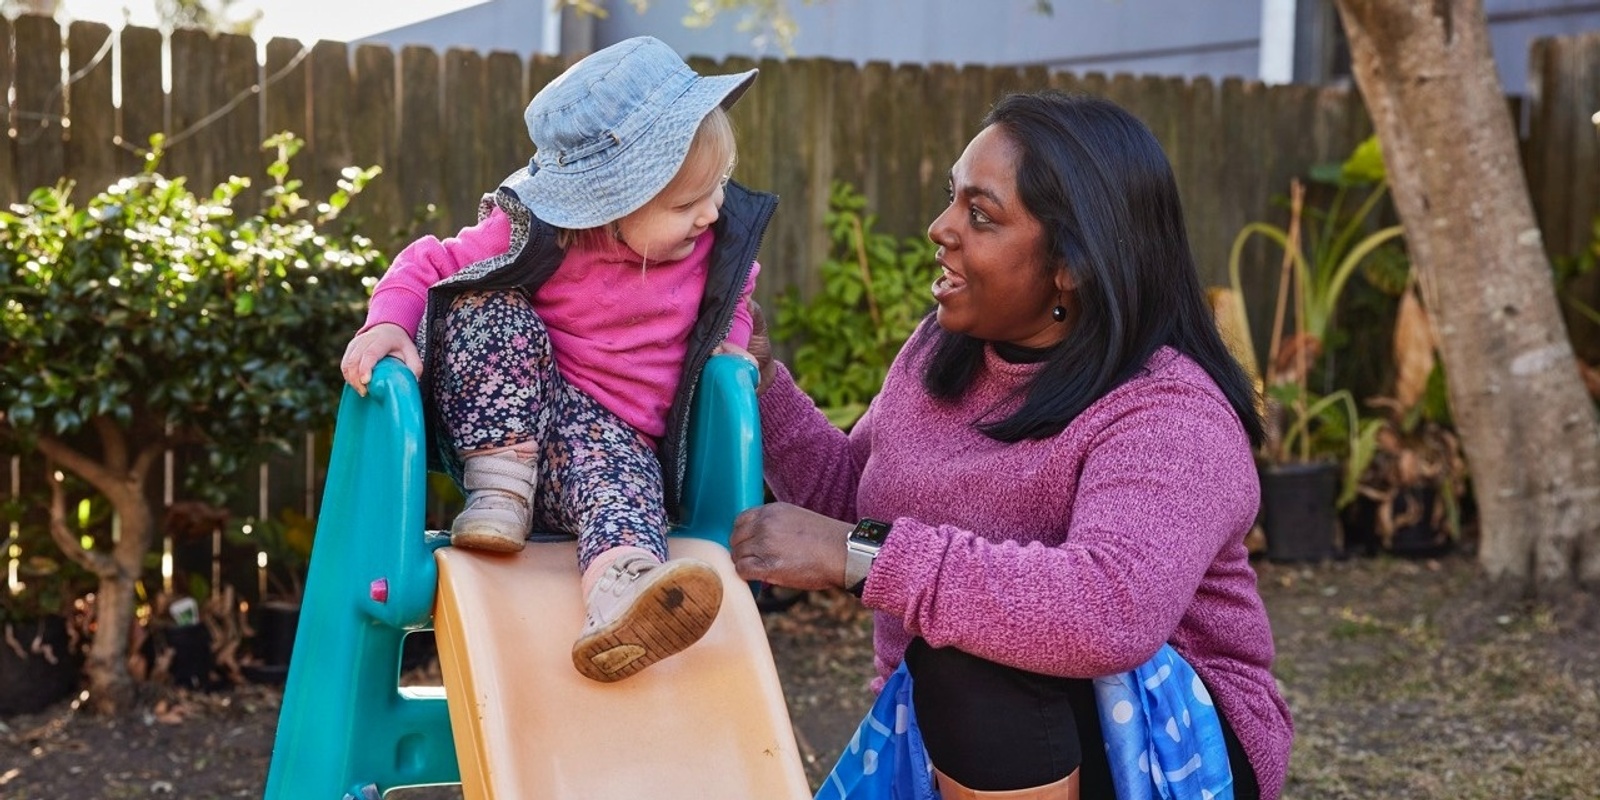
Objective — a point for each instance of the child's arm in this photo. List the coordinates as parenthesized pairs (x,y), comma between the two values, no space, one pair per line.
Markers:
(739,334)
(401,296)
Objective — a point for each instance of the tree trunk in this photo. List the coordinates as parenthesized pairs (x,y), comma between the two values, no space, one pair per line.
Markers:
(121,480)
(1526,423)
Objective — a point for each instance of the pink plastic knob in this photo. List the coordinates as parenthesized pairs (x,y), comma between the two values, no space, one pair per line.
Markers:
(379,590)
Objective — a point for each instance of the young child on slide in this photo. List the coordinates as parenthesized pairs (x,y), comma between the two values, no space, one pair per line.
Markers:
(558,342)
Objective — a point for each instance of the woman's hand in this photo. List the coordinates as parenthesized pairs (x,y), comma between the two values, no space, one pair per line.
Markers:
(786,545)
(372,345)
(761,348)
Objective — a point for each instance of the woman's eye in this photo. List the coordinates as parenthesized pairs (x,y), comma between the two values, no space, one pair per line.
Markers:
(949,195)
(978,217)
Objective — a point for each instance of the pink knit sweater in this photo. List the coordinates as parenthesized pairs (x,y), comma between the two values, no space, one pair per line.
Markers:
(619,330)
(1078,555)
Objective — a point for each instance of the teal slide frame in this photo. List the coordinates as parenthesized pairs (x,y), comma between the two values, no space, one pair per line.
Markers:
(346,726)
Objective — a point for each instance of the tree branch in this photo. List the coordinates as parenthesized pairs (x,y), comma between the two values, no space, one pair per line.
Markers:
(98,563)
(114,446)
(103,479)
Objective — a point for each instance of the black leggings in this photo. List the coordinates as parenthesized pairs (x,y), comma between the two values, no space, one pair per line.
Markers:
(994,728)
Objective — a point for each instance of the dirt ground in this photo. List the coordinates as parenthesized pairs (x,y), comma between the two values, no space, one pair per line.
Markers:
(1407,680)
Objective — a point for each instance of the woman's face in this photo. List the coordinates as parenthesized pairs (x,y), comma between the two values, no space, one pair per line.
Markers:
(995,284)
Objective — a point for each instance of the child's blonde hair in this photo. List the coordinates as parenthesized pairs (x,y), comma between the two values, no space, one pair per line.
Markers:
(711,156)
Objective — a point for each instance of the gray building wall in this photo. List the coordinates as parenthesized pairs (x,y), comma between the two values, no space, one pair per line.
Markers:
(1190,38)
(1514,24)
(514,26)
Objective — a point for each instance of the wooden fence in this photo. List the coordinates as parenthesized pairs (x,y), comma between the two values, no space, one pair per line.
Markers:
(445,127)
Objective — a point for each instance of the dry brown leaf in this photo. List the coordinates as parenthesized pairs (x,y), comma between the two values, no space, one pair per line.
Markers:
(1413,349)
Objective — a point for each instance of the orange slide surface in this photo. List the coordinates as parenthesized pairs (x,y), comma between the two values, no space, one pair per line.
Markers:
(709,723)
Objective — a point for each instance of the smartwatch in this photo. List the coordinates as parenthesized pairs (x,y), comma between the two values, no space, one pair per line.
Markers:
(861,549)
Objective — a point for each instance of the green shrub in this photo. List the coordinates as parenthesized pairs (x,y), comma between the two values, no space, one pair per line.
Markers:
(875,289)
(152,317)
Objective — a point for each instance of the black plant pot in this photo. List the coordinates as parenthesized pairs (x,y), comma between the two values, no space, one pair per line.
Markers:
(1359,523)
(1297,502)
(47,671)
(1420,538)
(274,641)
(191,656)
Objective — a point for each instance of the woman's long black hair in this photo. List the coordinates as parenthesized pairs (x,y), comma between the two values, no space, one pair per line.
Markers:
(1098,181)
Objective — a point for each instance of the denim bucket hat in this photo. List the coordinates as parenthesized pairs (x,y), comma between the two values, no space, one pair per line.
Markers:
(611,132)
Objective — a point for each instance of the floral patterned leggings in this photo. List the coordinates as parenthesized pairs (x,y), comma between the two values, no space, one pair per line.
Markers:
(498,386)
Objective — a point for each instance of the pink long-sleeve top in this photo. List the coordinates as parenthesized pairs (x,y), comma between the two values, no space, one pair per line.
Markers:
(619,329)
(1077,555)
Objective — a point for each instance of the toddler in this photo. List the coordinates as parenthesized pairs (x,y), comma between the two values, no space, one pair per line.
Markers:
(559,341)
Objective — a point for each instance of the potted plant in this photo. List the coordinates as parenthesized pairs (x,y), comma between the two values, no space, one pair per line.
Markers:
(42,634)
(1411,494)
(1318,444)
(283,551)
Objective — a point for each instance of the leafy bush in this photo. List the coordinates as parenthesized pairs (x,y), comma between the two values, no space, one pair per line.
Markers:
(152,317)
(874,292)
(166,311)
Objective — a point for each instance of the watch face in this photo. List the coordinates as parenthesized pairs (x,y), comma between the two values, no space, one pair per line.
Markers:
(870,531)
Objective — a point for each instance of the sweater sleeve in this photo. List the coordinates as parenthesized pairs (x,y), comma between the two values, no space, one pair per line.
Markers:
(808,461)
(739,334)
(401,297)
(1166,482)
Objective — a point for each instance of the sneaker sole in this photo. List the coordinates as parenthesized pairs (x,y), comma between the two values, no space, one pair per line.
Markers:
(672,612)
(487,538)
(491,540)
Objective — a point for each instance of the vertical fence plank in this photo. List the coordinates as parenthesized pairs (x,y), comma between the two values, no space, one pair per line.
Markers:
(286,104)
(877,105)
(373,140)
(238,129)
(505,140)
(144,103)
(1248,198)
(1199,173)
(39,101)
(421,138)
(814,121)
(903,212)
(1563,162)
(852,116)
(463,144)
(195,62)
(541,71)
(788,98)
(91,156)
(945,135)
(331,100)
(9,191)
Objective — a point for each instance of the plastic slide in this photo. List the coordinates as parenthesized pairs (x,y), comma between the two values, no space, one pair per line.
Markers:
(515,721)
(709,722)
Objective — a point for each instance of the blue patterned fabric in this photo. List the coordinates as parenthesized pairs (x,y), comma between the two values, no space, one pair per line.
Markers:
(1159,713)
(886,759)
(1163,734)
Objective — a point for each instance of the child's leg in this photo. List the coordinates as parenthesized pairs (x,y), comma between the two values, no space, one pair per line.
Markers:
(494,393)
(641,607)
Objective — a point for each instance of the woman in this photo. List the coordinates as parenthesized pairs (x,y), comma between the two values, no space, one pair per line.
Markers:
(1056,479)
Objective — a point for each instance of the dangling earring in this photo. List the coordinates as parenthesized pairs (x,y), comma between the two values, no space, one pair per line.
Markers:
(1059,313)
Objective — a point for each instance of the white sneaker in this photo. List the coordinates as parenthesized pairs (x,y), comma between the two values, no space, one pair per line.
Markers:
(499,503)
(642,611)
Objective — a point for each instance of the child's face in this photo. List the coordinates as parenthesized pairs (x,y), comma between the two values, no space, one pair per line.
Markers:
(666,228)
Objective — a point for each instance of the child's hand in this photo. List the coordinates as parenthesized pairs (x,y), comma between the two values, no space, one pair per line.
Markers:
(372,345)
(731,349)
